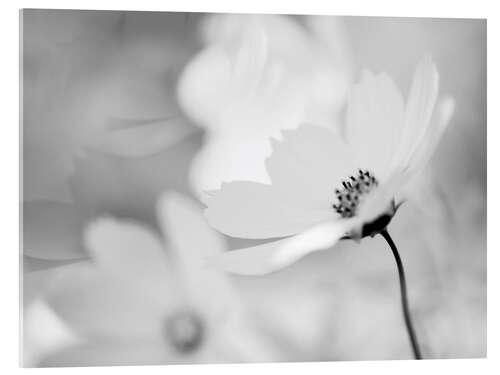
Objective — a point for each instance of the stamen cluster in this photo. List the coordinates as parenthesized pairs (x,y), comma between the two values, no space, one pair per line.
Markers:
(353,190)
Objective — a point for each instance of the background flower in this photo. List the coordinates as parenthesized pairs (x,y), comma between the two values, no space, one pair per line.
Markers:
(141,303)
(255,76)
(100,184)
(100,80)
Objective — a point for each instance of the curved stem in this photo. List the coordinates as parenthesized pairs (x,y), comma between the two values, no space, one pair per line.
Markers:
(404,295)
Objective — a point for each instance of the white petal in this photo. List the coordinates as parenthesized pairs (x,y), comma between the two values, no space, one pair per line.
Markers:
(43,333)
(129,251)
(52,231)
(419,107)
(439,123)
(33,284)
(259,74)
(222,92)
(136,138)
(251,210)
(251,57)
(273,256)
(378,201)
(192,241)
(308,164)
(95,303)
(374,120)
(230,158)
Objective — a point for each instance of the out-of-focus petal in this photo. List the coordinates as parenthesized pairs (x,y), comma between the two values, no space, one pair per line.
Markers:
(128,250)
(273,256)
(375,118)
(33,284)
(127,92)
(418,112)
(283,32)
(135,138)
(264,73)
(235,89)
(308,165)
(251,210)
(36,264)
(191,242)
(36,274)
(129,187)
(249,64)
(52,231)
(333,66)
(256,76)
(43,333)
(97,304)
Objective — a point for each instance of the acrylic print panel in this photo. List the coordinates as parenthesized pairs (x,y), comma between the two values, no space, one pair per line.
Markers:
(228,188)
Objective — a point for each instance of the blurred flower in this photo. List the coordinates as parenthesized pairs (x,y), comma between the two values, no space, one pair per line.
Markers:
(137,303)
(100,80)
(50,230)
(42,333)
(101,184)
(386,145)
(51,238)
(256,75)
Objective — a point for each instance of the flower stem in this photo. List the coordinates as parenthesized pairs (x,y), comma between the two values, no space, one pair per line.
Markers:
(404,295)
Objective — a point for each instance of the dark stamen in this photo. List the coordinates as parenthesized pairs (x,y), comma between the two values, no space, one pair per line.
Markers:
(354,188)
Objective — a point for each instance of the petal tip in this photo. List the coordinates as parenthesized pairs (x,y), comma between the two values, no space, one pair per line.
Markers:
(97,228)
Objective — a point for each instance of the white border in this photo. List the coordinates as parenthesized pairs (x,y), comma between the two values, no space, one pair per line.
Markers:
(422,8)
(9,171)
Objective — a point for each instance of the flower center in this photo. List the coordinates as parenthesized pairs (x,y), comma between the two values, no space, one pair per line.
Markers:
(352,191)
(185,332)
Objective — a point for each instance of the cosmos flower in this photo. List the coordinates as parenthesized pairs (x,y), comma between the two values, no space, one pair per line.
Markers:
(255,76)
(328,186)
(98,80)
(101,184)
(146,301)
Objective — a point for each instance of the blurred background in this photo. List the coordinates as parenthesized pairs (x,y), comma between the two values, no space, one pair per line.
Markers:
(119,107)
